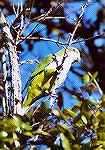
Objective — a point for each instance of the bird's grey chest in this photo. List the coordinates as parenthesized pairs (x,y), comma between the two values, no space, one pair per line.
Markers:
(63,69)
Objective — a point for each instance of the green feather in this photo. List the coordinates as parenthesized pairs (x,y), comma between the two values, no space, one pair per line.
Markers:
(40,86)
(45,62)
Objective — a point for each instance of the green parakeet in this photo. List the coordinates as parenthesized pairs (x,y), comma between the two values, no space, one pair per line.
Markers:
(50,73)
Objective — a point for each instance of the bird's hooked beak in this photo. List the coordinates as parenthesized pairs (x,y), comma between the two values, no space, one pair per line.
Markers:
(78,58)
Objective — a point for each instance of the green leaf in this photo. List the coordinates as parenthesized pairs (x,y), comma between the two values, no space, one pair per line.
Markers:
(66,130)
(11,125)
(101,135)
(86,78)
(26,126)
(63,117)
(3,134)
(54,131)
(77,107)
(94,76)
(77,118)
(69,113)
(41,132)
(76,147)
(65,142)
(28,134)
(44,109)
(84,119)
(89,88)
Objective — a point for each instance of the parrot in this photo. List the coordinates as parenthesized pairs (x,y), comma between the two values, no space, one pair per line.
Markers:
(49,74)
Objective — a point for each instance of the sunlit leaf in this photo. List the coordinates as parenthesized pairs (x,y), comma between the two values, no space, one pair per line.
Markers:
(65,142)
(77,118)
(86,78)
(64,129)
(55,112)
(44,109)
(76,147)
(41,132)
(84,119)
(69,112)
(26,126)
(3,134)
(94,76)
(77,107)
(89,87)
(28,134)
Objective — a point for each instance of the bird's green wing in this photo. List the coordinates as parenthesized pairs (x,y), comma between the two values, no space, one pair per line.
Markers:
(41,86)
(42,65)
(45,62)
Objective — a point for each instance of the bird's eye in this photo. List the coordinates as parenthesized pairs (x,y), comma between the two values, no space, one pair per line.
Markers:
(74,50)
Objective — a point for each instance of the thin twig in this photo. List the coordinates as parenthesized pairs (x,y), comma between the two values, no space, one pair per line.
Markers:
(96,83)
(77,24)
(90,38)
(62,43)
(39,20)
(29,62)
(44,39)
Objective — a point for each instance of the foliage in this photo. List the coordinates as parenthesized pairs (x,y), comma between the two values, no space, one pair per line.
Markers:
(79,128)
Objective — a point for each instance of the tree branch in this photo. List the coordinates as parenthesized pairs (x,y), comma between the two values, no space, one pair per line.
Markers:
(14,90)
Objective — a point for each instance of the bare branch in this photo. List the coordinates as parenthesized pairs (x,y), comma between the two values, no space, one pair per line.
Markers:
(96,83)
(62,43)
(77,23)
(90,38)
(44,39)
(29,62)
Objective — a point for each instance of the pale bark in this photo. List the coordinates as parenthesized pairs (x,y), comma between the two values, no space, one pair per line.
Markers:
(13,93)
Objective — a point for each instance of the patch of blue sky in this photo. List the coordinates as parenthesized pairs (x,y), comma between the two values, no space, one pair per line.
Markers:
(42,11)
(16,2)
(99,42)
(4,11)
(86,140)
(78,45)
(69,101)
(1,109)
(96,96)
(91,13)
(56,20)
(34,10)
(0,65)
(71,17)
(37,27)
(70,9)
(73,81)
(10,19)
